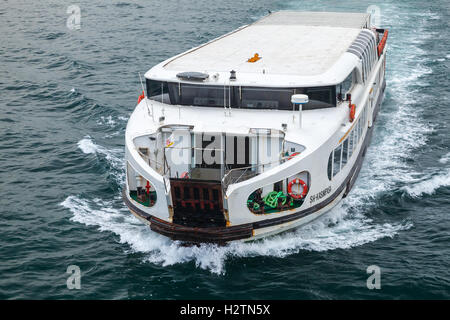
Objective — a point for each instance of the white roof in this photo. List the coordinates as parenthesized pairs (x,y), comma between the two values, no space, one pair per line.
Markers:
(296,48)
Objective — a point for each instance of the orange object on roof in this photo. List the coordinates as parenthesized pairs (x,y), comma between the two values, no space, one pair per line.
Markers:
(255,58)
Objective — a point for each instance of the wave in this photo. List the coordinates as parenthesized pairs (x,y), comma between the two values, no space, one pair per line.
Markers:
(429,185)
(114,157)
(445,158)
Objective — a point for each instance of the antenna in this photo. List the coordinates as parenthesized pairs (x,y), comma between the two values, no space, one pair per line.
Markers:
(300,100)
(146,103)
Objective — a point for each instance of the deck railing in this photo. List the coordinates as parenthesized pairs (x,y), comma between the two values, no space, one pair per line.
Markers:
(231,176)
(237,175)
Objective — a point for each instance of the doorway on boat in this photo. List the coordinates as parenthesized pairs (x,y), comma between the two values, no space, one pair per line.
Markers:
(197,203)
(216,153)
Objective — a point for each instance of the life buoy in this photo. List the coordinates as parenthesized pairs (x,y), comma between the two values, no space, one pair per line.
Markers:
(293,155)
(352,112)
(298,195)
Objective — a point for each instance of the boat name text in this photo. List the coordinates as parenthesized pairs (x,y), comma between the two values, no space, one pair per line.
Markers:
(319,195)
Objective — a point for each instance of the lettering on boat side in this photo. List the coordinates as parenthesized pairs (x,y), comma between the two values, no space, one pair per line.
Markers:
(234,309)
(320,195)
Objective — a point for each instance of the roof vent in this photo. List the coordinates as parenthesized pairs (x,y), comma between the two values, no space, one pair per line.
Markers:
(193,76)
(232,75)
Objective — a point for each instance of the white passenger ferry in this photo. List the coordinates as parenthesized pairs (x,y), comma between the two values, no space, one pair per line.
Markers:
(258,131)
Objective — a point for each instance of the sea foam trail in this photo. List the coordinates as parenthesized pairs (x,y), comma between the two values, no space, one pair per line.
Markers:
(327,233)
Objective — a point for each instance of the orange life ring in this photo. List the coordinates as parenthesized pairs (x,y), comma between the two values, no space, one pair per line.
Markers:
(298,195)
(352,112)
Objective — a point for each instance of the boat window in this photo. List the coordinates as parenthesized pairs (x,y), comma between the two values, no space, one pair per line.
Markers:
(364,115)
(357,132)
(245,97)
(341,154)
(320,97)
(346,85)
(330,165)
(362,126)
(337,160)
(266,98)
(344,152)
(199,95)
(156,89)
(350,144)
(359,129)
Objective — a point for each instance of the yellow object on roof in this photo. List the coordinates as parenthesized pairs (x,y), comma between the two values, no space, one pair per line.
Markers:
(255,58)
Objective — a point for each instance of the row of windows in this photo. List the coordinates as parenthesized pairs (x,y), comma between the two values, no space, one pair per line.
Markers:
(237,96)
(343,153)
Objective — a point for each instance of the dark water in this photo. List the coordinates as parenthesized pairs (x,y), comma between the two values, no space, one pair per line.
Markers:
(65,96)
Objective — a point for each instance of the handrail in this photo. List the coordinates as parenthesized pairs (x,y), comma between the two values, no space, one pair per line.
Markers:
(225,183)
(227,176)
(158,164)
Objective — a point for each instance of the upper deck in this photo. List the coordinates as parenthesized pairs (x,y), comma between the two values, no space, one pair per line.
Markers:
(295,48)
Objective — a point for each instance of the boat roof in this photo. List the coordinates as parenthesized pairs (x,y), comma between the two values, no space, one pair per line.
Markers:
(294,48)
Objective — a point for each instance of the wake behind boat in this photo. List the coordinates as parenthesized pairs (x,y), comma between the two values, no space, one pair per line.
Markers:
(258,131)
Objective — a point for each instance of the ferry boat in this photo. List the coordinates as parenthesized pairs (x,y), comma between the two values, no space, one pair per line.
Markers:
(258,131)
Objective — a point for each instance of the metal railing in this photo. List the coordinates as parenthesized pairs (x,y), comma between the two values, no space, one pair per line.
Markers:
(161,168)
(231,176)
(236,175)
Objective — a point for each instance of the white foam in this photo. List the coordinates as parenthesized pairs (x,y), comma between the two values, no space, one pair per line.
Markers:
(113,156)
(445,158)
(107,120)
(87,145)
(335,230)
(429,185)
